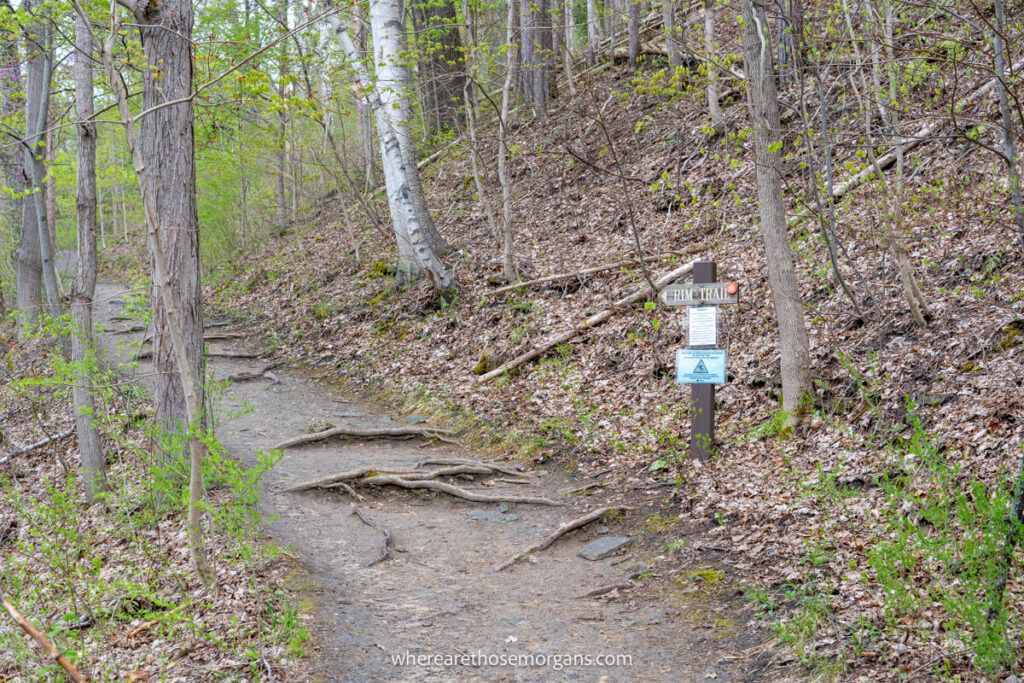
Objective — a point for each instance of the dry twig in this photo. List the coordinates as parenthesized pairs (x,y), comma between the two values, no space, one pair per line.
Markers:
(43,642)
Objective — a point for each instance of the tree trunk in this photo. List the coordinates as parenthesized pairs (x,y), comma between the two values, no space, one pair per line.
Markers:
(386,27)
(29,280)
(674,38)
(365,115)
(593,32)
(762,101)
(1009,128)
(442,75)
(82,344)
(714,109)
(167,147)
(282,123)
(536,53)
(37,104)
(634,32)
(176,321)
(508,258)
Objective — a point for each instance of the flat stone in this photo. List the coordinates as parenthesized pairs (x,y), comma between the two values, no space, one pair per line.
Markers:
(600,548)
(414,419)
(498,516)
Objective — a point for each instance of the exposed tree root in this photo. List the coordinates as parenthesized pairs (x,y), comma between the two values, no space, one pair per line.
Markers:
(222,336)
(366,433)
(422,479)
(37,444)
(603,590)
(561,531)
(461,461)
(245,376)
(455,491)
(385,552)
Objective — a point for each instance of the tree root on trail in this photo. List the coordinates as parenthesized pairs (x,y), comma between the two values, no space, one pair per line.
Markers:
(245,376)
(561,531)
(366,433)
(385,552)
(462,461)
(603,590)
(421,479)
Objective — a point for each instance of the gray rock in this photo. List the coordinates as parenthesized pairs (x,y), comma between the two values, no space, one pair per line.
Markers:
(498,516)
(414,419)
(600,548)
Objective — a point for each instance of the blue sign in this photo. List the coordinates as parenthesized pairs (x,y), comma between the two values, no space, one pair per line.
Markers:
(700,366)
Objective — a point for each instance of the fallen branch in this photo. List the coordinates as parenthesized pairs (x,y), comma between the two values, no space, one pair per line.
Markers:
(593,321)
(365,433)
(922,135)
(561,531)
(385,552)
(579,273)
(130,329)
(37,444)
(43,641)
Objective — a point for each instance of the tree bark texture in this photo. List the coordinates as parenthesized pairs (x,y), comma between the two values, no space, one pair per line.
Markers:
(762,100)
(166,140)
(84,287)
(441,63)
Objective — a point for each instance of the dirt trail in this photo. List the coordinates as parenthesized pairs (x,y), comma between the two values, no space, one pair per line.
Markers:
(439,594)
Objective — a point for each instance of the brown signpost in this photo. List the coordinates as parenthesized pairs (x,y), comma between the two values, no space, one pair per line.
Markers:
(701,364)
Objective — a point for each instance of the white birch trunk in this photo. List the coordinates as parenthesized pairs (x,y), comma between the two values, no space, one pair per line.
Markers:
(409,230)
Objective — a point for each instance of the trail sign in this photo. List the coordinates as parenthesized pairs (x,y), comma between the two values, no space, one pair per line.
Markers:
(700,366)
(701,293)
(703,326)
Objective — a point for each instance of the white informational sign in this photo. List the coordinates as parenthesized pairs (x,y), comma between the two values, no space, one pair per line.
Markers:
(700,366)
(703,324)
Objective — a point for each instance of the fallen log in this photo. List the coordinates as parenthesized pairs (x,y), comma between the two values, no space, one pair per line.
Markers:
(38,444)
(73,673)
(365,433)
(579,273)
(593,321)
(561,531)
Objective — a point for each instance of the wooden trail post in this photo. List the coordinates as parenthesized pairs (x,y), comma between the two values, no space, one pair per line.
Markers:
(702,364)
(702,396)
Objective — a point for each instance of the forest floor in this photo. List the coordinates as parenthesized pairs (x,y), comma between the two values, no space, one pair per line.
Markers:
(809,519)
(439,592)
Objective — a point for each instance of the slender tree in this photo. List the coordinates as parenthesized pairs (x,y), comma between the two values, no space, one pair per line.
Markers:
(442,72)
(82,344)
(762,101)
(415,251)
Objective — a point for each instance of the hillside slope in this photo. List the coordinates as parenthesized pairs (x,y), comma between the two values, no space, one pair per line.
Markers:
(804,520)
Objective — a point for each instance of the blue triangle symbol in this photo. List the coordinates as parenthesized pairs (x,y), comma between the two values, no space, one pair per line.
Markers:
(701,369)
